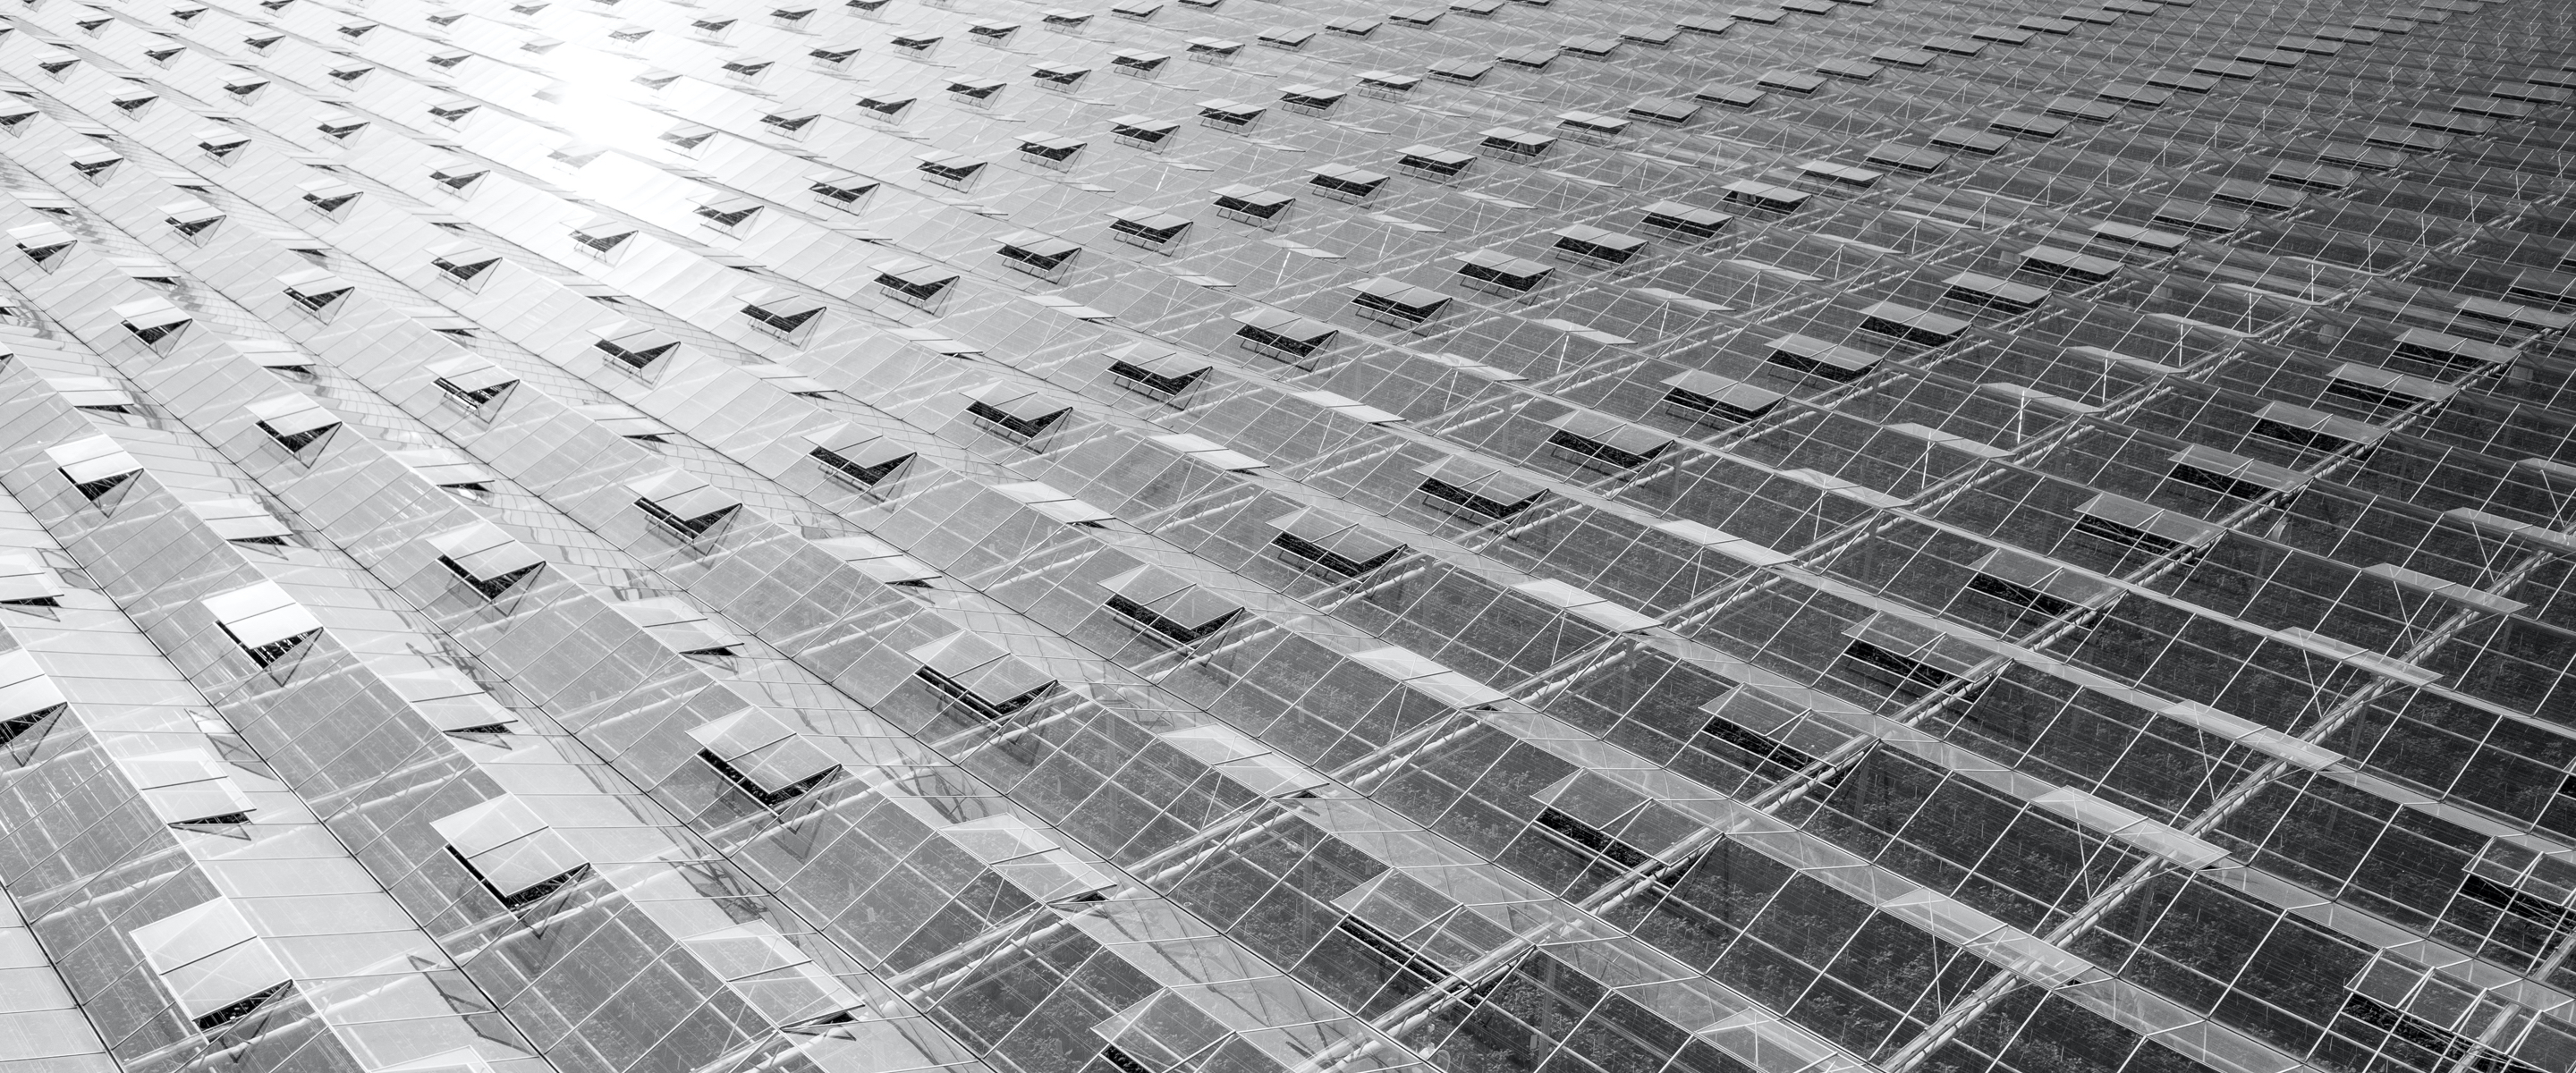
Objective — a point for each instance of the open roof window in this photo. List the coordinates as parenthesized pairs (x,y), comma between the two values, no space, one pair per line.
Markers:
(834,59)
(14,114)
(1061,77)
(1253,205)
(1283,336)
(1593,439)
(464,264)
(1230,115)
(193,219)
(1019,412)
(189,788)
(1168,606)
(782,315)
(472,382)
(264,622)
(43,244)
(339,126)
(459,177)
(885,108)
(2129,523)
(858,455)
(790,123)
(1346,184)
(27,696)
(1038,254)
(1144,132)
(1686,221)
(1147,229)
(1917,653)
(1600,818)
(762,755)
(685,507)
(1336,544)
(1497,273)
(603,236)
(1816,357)
(842,189)
(96,466)
(453,110)
(1310,100)
(1699,395)
(317,292)
(330,197)
(688,138)
(295,422)
(1136,63)
(511,850)
(274,355)
(1593,247)
(485,558)
(214,963)
(915,283)
(1157,370)
(634,348)
(1393,302)
(981,675)
(94,164)
(1515,144)
(1459,483)
(221,144)
(2042,585)
(955,171)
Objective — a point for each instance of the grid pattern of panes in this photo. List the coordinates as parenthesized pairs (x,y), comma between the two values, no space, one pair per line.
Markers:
(1212,536)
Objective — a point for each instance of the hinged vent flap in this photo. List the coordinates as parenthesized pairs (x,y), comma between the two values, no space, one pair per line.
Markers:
(485,557)
(981,674)
(213,962)
(689,507)
(858,453)
(472,381)
(96,465)
(25,581)
(294,421)
(189,788)
(266,622)
(1168,604)
(762,754)
(1343,546)
(27,695)
(511,850)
